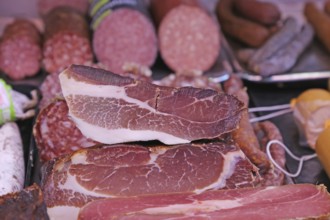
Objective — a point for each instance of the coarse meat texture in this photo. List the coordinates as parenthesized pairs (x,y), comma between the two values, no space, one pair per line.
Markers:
(20,50)
(66,39)
(50,90)
(25,204)
(123,170)
(189,39)
(55,134)
(302,201)
(115,109)
(125,36)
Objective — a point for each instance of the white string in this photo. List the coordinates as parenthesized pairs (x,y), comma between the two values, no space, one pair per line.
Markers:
(269,108)
(300,159)
(271,115)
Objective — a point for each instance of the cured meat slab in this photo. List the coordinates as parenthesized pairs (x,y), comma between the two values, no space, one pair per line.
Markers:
(303,201)
(114,109)
(134,170)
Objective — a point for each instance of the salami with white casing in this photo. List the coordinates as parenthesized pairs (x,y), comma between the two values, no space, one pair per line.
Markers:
(12,159)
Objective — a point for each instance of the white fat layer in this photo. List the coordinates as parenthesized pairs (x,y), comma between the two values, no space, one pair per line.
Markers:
(111,136)
(12,160)
(230,161)
(114,136)
(197,206)
(72,87)
(63,212)
(79,158)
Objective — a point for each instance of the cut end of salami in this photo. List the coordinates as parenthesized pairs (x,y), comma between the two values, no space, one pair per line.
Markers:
(66,40)
(56,134)
(20,50)
(125,36)
(115,109)
(65,49)
(189,39)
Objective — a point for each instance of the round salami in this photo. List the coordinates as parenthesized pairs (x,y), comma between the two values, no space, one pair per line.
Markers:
(188,37)
(56,134)
(50,89)
(125,35)
(20,50)
(66,40)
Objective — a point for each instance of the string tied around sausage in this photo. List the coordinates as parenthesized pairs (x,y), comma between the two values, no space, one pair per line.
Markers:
(300,159)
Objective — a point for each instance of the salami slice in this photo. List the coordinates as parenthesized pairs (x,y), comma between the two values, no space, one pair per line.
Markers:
(20,50)
(56,134)
(123,33)
(50,88)
(66,40)
(45,6)
(188,36)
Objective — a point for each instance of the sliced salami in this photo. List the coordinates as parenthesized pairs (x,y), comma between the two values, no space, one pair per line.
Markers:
(123,33)
(188,36)
(50,89)
(56,134)
(20,50)
(66,40)
(45,6)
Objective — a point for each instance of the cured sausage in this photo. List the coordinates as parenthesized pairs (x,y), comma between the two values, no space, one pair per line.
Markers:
(269,131)
(50,89)
(244,136)
(12,159)
(320,22)
(123,33)
(20,50)
(45,6)
(264,13)
(286,57)
(279,40)
(56,134)
(248,32)
(188,36)
(66,40)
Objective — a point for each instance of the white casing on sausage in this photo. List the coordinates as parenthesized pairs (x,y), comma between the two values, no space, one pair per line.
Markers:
(12,159)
